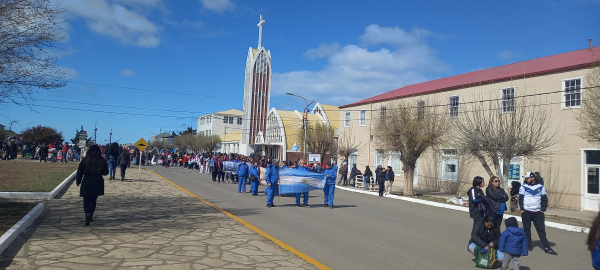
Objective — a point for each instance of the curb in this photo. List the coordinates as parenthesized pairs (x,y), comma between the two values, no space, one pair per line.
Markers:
(551,224)
(39,195)
(16,230)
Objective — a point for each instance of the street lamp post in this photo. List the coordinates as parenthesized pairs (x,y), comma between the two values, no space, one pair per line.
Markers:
(304,124)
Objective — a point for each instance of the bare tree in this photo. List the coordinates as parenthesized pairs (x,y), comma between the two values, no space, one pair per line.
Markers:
(207,144)
(497,132)
(347,145)
(589,115)
(320,139)
(410,131)
(28,28)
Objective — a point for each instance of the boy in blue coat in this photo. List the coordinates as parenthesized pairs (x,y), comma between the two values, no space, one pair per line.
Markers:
(513,243)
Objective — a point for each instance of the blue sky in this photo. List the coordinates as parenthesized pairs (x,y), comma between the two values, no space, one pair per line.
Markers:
(171,61)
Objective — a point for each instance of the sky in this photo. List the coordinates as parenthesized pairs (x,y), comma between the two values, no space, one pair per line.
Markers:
(140,67)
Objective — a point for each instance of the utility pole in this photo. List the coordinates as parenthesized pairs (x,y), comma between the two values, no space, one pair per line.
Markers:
(304,124)
(110,137)
(95,132)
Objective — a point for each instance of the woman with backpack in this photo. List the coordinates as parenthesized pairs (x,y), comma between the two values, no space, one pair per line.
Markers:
(498,195)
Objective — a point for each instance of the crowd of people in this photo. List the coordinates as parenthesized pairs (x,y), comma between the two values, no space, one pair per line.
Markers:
(487,210)
(53,152)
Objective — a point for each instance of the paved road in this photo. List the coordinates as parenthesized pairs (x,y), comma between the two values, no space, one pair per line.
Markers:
(368,232)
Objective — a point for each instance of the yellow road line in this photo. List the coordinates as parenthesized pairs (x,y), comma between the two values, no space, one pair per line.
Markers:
(279,243)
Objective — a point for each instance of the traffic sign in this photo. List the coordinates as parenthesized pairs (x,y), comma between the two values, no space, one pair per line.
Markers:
(141,144)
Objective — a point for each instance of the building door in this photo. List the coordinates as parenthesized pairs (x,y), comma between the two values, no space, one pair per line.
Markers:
(590,180)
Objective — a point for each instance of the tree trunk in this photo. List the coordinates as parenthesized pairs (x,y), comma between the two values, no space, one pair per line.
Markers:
(409,172)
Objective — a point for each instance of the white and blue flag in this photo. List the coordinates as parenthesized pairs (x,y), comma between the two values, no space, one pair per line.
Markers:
(299,180)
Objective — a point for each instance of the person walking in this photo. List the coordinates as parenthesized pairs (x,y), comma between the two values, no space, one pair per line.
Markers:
(89,176)
(113,155)
(389,180)
(513,243)
(123,162)
(272,178)
(329,188)
(533,202)
(381,180)
(367,175)
(65,149)
(253,176)
(497,194)
(242,173)
(593,242)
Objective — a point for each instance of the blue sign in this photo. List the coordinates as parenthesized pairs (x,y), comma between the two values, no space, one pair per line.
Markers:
(514,172)
(255,146)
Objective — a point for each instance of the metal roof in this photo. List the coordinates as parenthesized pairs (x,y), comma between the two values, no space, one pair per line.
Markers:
(534,67)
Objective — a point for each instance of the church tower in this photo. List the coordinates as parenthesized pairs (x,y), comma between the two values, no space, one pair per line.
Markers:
(257,96)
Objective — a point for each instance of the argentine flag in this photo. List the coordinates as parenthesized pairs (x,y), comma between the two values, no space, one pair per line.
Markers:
(299,180)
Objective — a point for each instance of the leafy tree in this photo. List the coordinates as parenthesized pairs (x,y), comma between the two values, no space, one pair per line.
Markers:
(42,134)
(189,130)
(27,29)
(589,115)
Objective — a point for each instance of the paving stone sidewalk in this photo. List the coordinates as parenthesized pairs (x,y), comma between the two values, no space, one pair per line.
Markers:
(142,223)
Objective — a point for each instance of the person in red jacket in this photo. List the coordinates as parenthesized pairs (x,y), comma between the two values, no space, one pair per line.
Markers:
(64,152)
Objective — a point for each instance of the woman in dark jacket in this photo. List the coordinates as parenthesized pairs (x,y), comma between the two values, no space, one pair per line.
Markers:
(497,194)
(381,180)
(486,237)
(475,199)
(123,162)
(89,176)
(367,177)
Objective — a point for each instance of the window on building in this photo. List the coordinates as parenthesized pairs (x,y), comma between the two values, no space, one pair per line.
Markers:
(449,165)
(362,119)
(353,159)
(572,93)
(420,109)
(508,100)
(209,118)
(382,113)
(592,169)
(453,106)
(225,120)
(239,121)
(230,120)
(347,120)
(395,163)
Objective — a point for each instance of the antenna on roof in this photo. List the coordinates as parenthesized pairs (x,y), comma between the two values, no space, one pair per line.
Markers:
(590,43)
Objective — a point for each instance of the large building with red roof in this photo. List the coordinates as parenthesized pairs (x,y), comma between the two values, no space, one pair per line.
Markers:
(555,82)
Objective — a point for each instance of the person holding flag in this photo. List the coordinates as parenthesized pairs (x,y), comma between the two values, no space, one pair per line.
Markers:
(272,177)
(242,173)
(329,188)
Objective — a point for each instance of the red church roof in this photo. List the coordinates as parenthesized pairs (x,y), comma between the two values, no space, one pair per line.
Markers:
(543,65)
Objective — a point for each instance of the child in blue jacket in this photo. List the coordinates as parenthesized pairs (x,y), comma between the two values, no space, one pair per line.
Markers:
(513,243)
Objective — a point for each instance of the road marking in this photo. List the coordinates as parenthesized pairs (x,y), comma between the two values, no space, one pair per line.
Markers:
(264,234)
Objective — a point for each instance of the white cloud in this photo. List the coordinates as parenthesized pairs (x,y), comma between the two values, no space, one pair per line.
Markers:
(116,21)
(354,72)
(218,6)
(325,50)
(126,72)
(507,55)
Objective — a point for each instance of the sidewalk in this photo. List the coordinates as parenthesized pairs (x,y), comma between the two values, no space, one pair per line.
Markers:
(571,217)
(142,223)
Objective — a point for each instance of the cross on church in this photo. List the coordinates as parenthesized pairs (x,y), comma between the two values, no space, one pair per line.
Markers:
(260,23)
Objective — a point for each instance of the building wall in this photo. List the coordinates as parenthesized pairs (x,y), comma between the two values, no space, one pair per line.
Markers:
(216,125)
(562,170)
